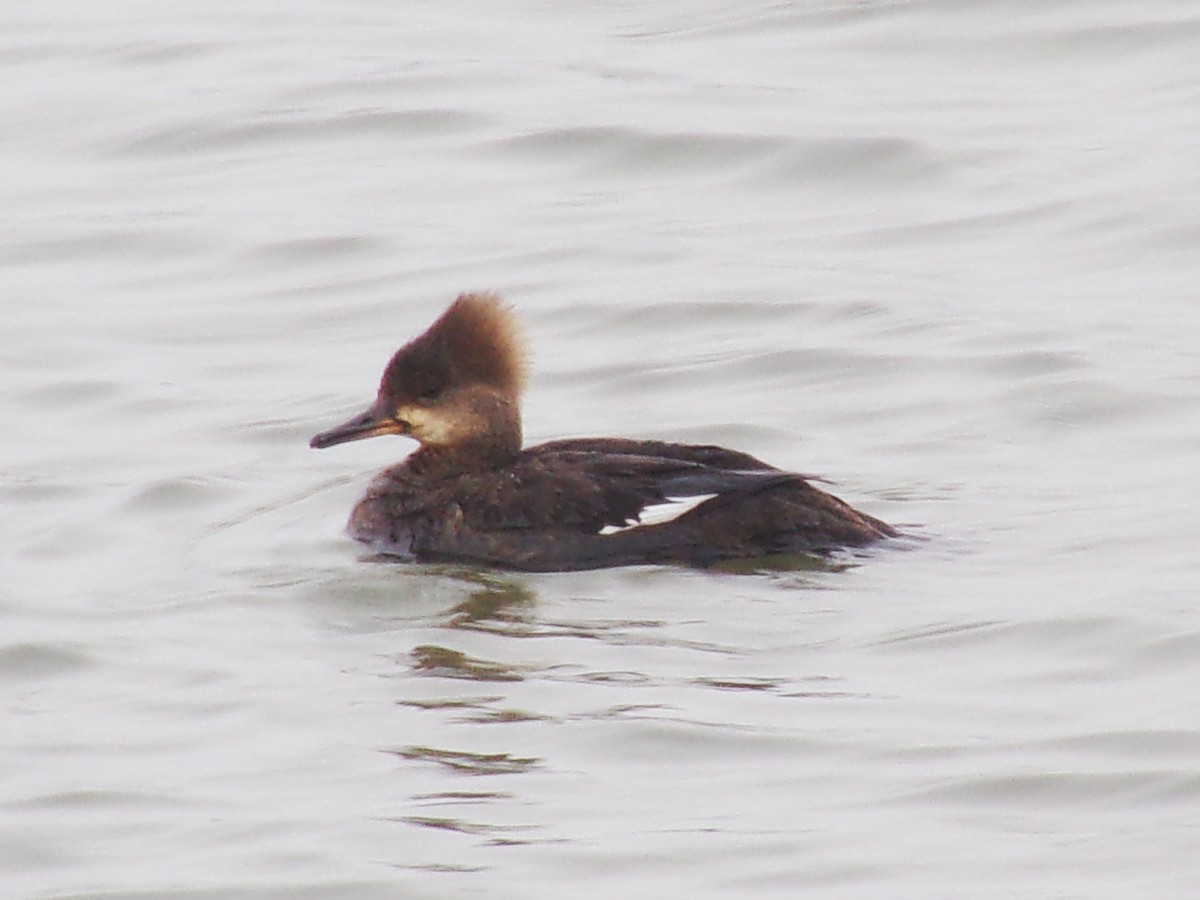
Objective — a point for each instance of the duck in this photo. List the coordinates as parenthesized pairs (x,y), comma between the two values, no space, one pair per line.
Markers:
(472,494)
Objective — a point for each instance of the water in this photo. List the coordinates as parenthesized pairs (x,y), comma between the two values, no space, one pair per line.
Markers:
(943,254)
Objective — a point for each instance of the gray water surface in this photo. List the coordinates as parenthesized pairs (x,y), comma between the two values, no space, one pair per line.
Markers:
(945,255)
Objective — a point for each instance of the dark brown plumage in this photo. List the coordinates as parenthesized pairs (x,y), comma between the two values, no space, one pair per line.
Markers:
(470,493)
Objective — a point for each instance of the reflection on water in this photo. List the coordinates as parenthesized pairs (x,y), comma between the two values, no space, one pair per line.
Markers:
(788,562)
(470,763)
(471,801)
(493,832)
(944,254)
(496,599)
(451,703)
(446,663)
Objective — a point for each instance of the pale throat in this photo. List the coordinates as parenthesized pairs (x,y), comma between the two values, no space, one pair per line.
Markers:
(488,422)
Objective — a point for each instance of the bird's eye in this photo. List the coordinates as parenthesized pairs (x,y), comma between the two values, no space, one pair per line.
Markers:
(429,394)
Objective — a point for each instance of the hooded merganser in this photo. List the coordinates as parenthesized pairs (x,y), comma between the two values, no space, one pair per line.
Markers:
(471,494)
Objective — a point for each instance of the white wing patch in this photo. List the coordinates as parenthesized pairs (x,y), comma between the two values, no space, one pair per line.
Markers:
(658,513)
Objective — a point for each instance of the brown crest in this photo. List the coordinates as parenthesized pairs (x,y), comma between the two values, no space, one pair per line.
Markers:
(476,341)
